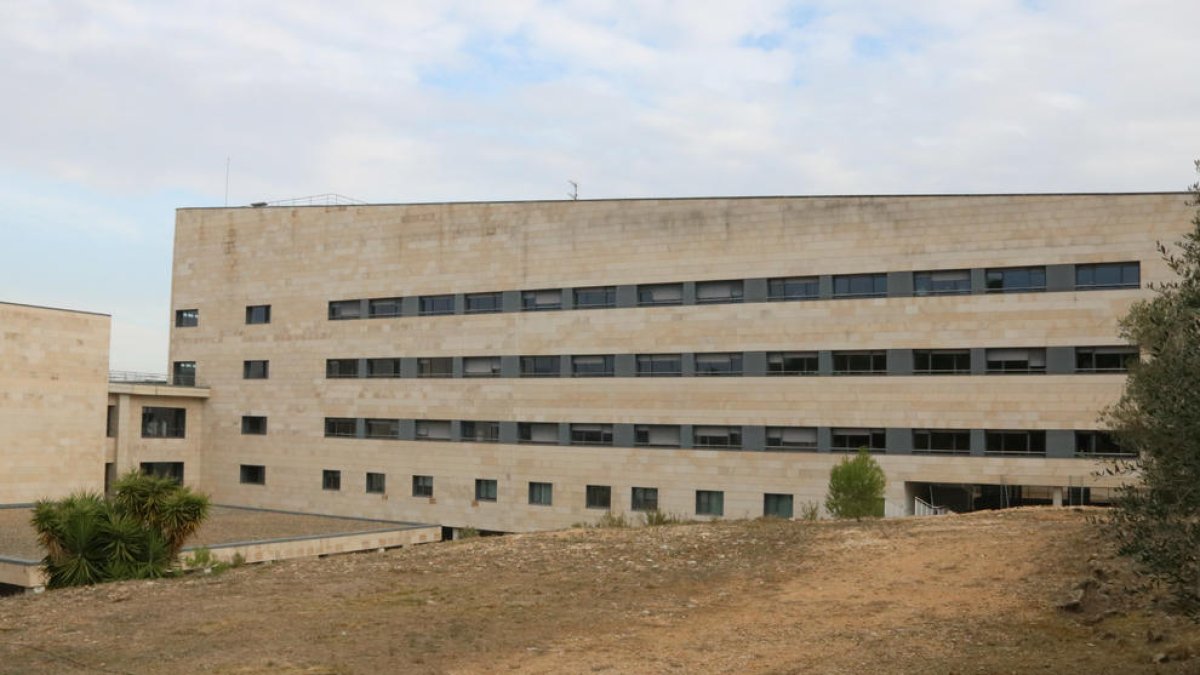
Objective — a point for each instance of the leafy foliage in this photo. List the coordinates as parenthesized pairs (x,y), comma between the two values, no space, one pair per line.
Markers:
(1157,519)
(135,535)
(856,488)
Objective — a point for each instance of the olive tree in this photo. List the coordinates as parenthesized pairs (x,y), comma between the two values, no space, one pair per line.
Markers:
(856,487)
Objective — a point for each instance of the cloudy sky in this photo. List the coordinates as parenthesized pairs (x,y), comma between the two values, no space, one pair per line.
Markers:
(115,113)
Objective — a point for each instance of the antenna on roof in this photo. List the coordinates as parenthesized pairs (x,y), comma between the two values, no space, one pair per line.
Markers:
(574,193)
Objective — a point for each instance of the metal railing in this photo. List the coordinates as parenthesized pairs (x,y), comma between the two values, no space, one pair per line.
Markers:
(924,508)
(327,199)
(134,377)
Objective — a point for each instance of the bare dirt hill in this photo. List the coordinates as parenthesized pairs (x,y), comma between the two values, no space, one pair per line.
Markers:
(956,594)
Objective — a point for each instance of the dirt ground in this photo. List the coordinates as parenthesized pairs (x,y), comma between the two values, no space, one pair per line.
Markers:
(973,593)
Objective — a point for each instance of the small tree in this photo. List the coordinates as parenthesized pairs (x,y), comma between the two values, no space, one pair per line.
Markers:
(856,488)
(1157,518)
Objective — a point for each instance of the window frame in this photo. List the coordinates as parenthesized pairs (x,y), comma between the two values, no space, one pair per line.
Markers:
(338,310)
(591,494)
(933,290)
(474,436)
(646,429)
(530,300)
(930,436)
(876,439)
(254,425)
(645,294)
(376,483)
(1001,287)
(735,360)
(487,490)
(736,294)
(252,474)
(426,369)
(335,423)
(582,433)
(496,307)
(605,368)
(877,361)
(432,305)
(375,370)
(710,503)
(429,425)
(331,480)
(422,486)
(334,370)
(1030,360)
(376,307)
(783,446)
(878,282)
(381,428)
(1092,268)
(781,498)
(1035,441)
(179,378)
(187,318)
(541,493)
(256,369)
(653,360)
(609,300)
(777,363)
(643,499)
(933,354)
(522,427)
(258,315)
(160,427)
(540,359)
(1128,354)
(733,437)
(782,289)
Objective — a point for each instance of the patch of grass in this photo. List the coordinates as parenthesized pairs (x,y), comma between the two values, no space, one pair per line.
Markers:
(656,518)
(810,511)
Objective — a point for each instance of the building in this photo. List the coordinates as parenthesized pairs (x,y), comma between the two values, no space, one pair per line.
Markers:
(528,365)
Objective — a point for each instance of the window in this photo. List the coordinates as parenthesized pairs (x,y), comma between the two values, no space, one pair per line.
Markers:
(791,438)
(712,292)
(709,436)
(942,361)
(433,305)
(345,309)
(659,365)
(483,303)
(541,494)
(540,301)
(382,367)
(660,294)
(791,363)
(777,506)
(850,440)
(381,308)
(1016,279)
(860,362)
(1108,275)
(1098,444)
(341,427)
(710,503)
(254,425)
(599,497)
(540,366)
(439,366)
(1016,360)
(1104,359)
(719,364)
(591,434)
(172,470)
(376,483)
(183,373)
(163,422)
(335,368)
(187,318)
(595,365)
(859,285)
(110,422)
(595,297)
(255,370)
(537,432)
(656,435)
(644,499)
(941,441)
(485,490)
(253,474)
(793,288)
(258,314)
(331,480)
(1016,442)
(422,486)
(481,366)
(943,282)
(481,432)
(433,430)
(383,428)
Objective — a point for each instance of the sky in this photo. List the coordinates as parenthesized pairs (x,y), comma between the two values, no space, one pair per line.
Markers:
(115,113)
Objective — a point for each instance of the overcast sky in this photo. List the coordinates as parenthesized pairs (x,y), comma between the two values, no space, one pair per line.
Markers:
(116,113)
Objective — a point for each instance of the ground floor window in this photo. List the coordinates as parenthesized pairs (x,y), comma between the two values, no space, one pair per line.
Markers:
(376,483)
(541,494)
(710,503)
(331,480)
(779,506)
(645,499)
(253,474)
(485,490)
(172,470)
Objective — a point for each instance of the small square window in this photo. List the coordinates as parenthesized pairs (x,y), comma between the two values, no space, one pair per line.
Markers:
(331,480)
(485,490)
(644,499)
(599,497)
(541,494)
(777,506)
(258,314)
(164,422)
(376,483)
(422,486)
(253,474)
(187,318)
(255,370)
(183,374)
(710,503)
(254,425)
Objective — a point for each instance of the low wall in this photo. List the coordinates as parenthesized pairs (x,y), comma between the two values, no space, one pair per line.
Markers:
(323,544)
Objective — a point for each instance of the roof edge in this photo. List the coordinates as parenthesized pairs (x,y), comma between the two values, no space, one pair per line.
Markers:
(54,309)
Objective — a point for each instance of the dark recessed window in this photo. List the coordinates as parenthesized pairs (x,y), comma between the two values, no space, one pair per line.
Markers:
(660,294)
(485,490)
(859,285)
(710,503)
(254,425)
(434,305)
(253,474)
(331,480)
(481,366)
(345,309)
(337,368)
(644,499)
(873,362)
(433,430)
(942,361)
(172,470)
(543,300)
(595,297)
(715,292)
(183,373)
(796,439)
(1098,444)
(537,432)
(712,436)
(382,308)
(164,422)
(1016,442)
(341,427)
(942,441)
(541,366)
(480,432)
(599,497)
(256,370)
(659,365)
(1104,359)
(794,288)
(376,483)
(1016,279)
(777,506)
(187,318)
(791,363)
(382,367)
(439,366)
(541,494)
(258,314)
(1022,360)
(851,440)
(1108,275)
(388,429)
(719,364)
(110,426)
(483,303)
(591,434)
(422,486)
(942,282)
(656,435)
(592,365)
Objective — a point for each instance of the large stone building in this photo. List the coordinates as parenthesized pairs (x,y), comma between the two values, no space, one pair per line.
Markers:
(527,365)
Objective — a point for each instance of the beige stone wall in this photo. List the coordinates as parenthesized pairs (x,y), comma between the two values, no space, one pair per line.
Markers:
(128,449)
(53,376)
(299,259)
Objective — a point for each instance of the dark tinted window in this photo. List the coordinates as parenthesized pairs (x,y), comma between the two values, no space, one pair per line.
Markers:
(1104,359)
(720,363)
(859,285)
(793,288)
(187,318)
(384,307)
(164,422)
(948,441)
(345,309)
(851,440)
(432,305)
(595,296)
(659,365)
(258,314)
(942,361)
(540,366)
(791,363)
(341,368)
(1108,275)
(482,303)
(1016,279)
(860,362)
(942,282)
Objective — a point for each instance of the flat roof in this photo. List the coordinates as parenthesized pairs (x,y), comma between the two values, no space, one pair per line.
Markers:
(54,309)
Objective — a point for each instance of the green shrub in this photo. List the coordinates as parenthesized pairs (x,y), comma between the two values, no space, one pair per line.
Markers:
(466,533)
(656,517)
(856,488)
(810,511)
(609,519)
